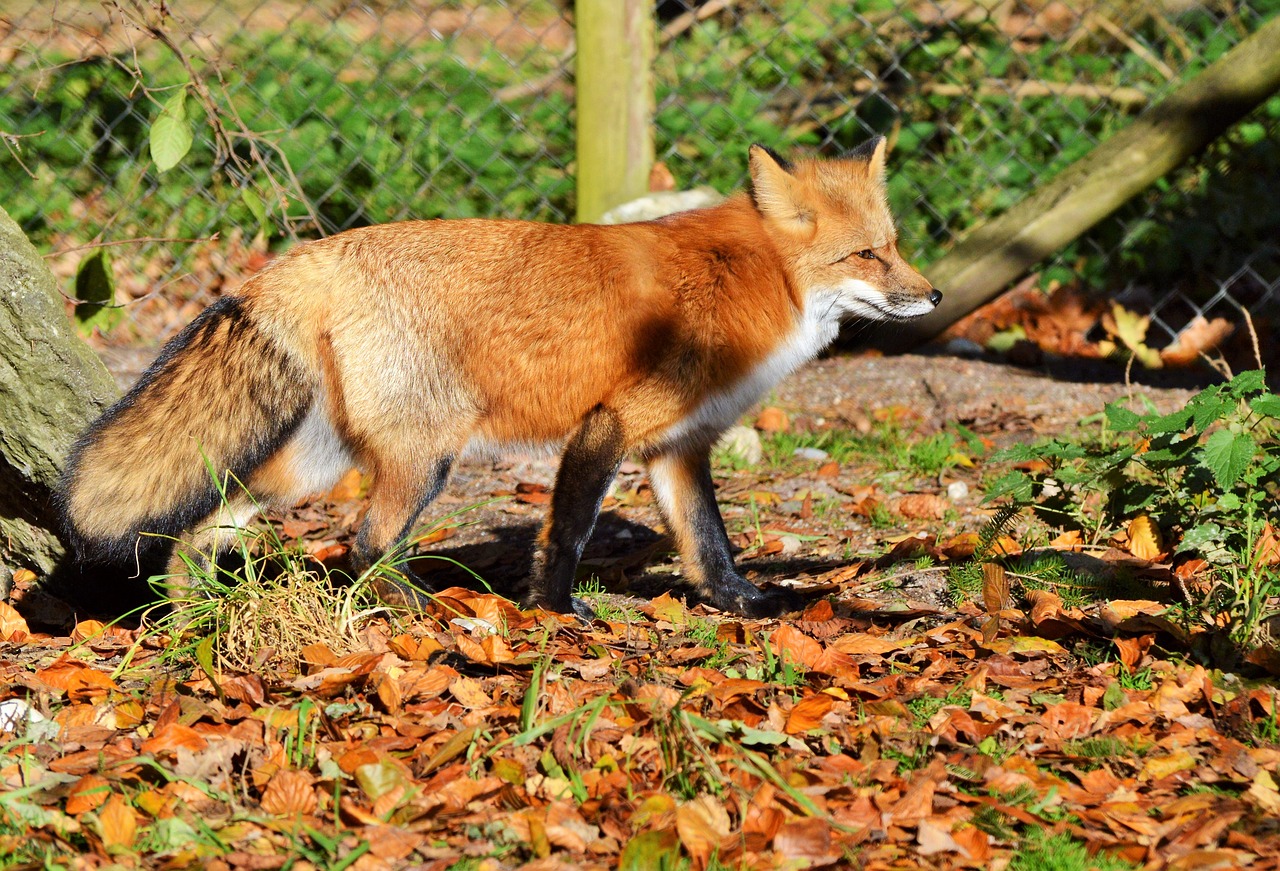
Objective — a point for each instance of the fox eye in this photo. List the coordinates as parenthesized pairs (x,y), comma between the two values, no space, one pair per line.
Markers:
(867,254)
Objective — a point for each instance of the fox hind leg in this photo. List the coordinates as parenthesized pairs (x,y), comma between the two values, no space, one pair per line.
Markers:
(400,493)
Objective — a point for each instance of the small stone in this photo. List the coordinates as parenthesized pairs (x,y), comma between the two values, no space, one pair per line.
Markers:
(742,443)
(810,454)
(957,491)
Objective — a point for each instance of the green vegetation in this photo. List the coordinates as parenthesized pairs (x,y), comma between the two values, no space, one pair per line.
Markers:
(1043,851)
(400,128)
(1206,478)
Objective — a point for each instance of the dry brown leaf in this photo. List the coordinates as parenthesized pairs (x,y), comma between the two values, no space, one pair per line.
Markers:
(173,737)
(88,793)
(808,713)
(807,839)
(773,419)
(1198,337)
(289,793)
(79,681)
(796,646)
(118,822)
(1045,605)
(922,506)
(1145,540)
(703,825)
(470,693)
(13,626)
(995,587)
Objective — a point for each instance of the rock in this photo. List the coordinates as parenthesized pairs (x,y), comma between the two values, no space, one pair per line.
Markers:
(742,443)
(810,454)
(51,387)
(957,491)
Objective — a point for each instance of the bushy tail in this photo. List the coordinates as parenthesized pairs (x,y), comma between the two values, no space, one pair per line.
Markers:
(221,390)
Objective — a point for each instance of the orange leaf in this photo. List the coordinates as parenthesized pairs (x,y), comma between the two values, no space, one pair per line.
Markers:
(1267,548)
(922,506)
(77,680)
(773,419)
(88,793)
(1145,541)
(798,647)
(119,822)
(995,587)
(1045,605)
(289,793)
(13,626)
(174,737)
(703,825)
(808,839)
(808,713)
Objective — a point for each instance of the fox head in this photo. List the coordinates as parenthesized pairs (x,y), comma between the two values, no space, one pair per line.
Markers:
(833,228)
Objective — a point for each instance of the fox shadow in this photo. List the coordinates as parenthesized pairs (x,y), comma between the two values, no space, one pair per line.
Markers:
(622,555)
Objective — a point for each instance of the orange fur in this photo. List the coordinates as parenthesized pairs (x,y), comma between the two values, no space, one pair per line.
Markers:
(398,346)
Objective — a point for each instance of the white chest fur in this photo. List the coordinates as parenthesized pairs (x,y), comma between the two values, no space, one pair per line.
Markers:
(815,328)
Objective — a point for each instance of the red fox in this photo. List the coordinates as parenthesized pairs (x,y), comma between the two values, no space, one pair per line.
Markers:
(397,347)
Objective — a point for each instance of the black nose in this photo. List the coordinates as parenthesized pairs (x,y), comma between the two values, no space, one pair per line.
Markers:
(935,297)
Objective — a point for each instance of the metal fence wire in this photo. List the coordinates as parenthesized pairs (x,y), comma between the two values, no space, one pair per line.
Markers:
(311,117)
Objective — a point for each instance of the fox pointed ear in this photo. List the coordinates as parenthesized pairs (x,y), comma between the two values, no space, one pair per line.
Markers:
(873,151)
(773,187)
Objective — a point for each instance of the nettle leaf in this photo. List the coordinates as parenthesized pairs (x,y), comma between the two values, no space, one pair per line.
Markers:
(1122,419)
(171,132)
(1174,422)
(1226,454)
(1205,539)
(1267,405)
(1251,381)
(1204,414)
(1014,484)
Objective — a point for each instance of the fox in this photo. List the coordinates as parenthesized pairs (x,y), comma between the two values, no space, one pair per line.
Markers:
(397,348)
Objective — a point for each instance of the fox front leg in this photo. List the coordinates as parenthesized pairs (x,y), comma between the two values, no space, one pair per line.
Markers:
(687,498)
(588,467)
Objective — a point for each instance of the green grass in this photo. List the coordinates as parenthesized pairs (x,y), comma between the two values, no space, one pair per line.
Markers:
(1042,851)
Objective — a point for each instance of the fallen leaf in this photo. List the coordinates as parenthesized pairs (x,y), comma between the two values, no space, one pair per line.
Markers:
(808,713)
(289,793)
(1145,540)
(772,419)
(808,840)
(13,626)
(118,823)
(703,825)
(922,506)
(88,793)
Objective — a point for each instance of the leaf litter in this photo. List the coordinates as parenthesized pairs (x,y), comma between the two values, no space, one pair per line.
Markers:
(888,724)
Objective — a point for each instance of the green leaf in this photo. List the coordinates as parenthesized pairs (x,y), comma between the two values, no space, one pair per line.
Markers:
(1014,484)
(655,849)
(171,132)
(1226,454)
(204,658)
(1250,381)
(1266,405)
(254,203)
(1121,419)
(95,288)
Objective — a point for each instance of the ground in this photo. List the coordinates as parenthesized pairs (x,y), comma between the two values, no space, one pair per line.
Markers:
(894,722)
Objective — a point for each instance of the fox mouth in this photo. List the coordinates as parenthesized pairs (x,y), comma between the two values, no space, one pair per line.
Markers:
(891,307)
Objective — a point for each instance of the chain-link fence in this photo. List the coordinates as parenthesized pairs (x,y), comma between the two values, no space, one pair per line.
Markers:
(311,117)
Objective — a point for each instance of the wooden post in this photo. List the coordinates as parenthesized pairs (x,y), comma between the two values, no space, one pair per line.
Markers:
(614,86)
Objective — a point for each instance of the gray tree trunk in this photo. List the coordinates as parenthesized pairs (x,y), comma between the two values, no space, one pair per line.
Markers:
(51,387)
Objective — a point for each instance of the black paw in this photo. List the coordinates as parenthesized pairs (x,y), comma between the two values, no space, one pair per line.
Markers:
(575,606)
(739,596)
